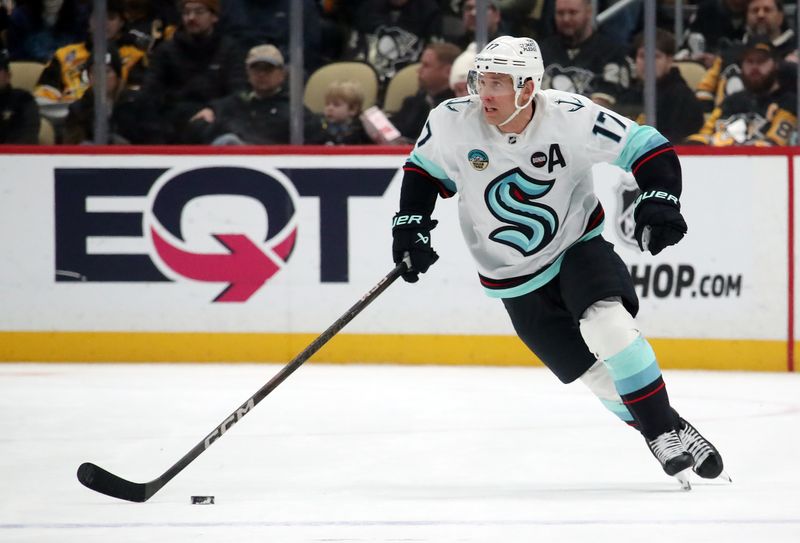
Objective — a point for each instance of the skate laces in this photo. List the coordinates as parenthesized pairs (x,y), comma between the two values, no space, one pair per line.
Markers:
(667,445)
(695,443)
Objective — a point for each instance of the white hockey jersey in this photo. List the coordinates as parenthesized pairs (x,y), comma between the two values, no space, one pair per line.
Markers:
(524,199)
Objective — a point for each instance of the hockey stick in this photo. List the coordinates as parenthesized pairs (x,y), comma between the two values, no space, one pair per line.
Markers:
(105,482)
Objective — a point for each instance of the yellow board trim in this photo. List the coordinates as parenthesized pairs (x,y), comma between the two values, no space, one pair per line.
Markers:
(708,354)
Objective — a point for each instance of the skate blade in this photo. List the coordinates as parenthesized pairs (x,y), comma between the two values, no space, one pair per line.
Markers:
(725,477)
(683,479)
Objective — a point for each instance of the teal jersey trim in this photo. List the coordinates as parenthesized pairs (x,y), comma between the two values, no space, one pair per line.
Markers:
(545,276)
(434,170)
(640,140)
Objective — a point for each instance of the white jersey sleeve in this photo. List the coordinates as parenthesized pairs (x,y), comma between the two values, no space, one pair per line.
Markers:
(613,138)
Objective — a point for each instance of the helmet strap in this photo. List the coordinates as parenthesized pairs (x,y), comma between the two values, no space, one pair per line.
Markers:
(517,107)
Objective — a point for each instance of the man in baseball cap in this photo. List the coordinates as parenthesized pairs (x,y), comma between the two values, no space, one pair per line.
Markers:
(265,54)
(258,116)
(759,62)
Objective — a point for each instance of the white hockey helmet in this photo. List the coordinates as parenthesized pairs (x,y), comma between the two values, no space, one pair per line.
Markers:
(520,58)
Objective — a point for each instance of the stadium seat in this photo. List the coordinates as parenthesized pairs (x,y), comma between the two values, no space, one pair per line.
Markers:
(692,72)
(25,74)
(402,85)
(357,72)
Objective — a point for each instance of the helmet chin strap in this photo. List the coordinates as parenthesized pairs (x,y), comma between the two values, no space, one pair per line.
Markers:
(517,107)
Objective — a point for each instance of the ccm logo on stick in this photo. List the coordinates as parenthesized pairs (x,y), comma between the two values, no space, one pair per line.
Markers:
(227,423)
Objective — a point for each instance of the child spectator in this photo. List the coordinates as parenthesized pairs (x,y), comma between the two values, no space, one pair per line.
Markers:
(339,123)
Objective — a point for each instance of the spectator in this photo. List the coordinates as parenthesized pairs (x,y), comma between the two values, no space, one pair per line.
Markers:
(197,66)
(259,116)
(434,85)
(148,23)
(339,123)
(37,28)
(672,93)
(527,17)
(714,27)
(459,71)
(390,34)
(764,18)
(63,81)
(762,114)
(494,23)
(4,22)
(128,121)
(581,60)
(19,115)
(253,22)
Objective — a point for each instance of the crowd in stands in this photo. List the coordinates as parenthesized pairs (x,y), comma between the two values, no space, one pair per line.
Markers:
(216,71)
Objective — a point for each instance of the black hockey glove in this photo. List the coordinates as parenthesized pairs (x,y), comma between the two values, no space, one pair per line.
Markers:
(412,236)
(659,222)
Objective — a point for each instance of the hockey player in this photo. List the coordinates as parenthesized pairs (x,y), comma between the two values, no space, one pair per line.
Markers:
(520,160)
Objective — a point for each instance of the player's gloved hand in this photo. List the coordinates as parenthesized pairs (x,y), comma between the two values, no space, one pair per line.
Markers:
(412,236)
(659,222)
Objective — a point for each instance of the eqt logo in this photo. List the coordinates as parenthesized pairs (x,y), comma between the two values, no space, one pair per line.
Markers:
(190,208)
(232,226)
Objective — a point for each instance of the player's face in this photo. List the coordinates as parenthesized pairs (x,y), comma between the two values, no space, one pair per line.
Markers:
(497,96)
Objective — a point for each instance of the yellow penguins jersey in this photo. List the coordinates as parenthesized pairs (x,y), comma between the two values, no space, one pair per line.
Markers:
(64,79)
(745,118)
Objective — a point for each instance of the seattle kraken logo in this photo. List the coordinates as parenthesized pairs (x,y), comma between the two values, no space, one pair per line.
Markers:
(510,198)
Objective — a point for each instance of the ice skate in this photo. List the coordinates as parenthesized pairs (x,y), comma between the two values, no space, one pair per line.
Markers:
(673,456)
(707,460)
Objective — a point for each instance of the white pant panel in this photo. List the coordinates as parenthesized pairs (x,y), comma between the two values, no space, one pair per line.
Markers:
(607,328)
(600,382)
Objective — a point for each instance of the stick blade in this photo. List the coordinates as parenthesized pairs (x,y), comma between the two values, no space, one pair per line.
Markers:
(97,479)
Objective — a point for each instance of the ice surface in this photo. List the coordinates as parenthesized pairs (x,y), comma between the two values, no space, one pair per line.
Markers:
(386,454)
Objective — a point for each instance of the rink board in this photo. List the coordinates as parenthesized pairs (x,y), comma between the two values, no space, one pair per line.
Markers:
(116,256)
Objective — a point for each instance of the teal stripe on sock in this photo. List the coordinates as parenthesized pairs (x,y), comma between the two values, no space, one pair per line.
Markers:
(640,380)
(619,409)
(633,359)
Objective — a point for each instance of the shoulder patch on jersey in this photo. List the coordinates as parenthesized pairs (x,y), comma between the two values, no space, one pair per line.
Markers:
(455,101)
(574,103)
(478,159)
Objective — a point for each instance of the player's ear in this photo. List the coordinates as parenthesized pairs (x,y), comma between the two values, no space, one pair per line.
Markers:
(528,90)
